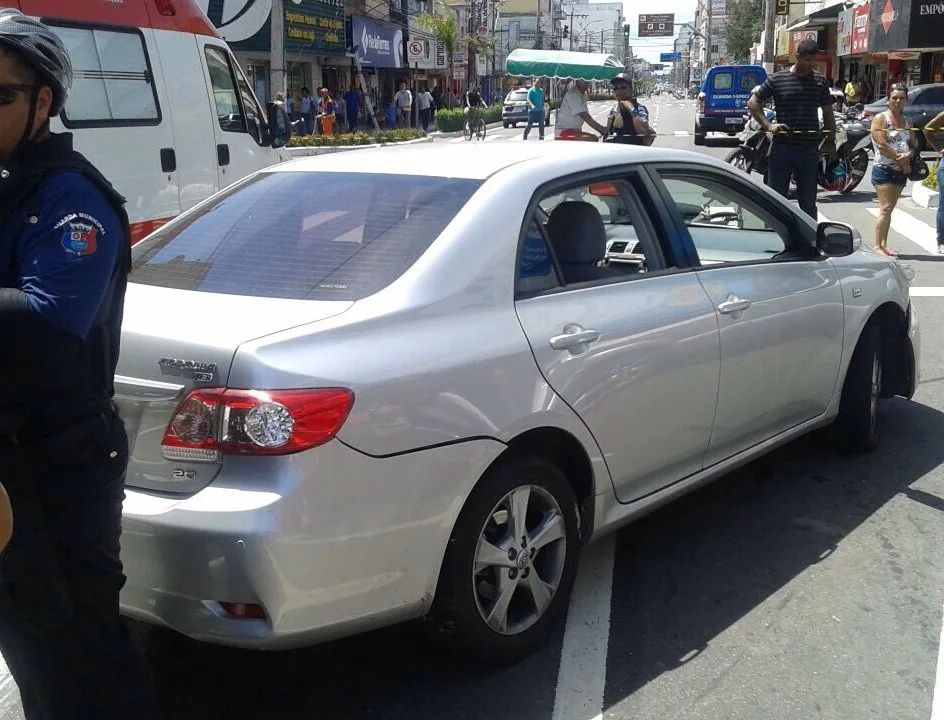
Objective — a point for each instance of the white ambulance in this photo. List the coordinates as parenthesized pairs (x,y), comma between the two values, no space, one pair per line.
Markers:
(158,104)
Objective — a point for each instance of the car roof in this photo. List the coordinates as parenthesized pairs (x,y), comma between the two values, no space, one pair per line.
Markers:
(476,160)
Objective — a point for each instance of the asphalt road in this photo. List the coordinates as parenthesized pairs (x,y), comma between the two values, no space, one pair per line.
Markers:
(808,585)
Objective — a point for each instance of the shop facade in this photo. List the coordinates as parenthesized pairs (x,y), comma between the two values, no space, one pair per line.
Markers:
(380,49)
(856,61)
(910,34)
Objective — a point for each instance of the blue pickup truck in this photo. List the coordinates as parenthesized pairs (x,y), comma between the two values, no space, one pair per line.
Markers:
(722,100)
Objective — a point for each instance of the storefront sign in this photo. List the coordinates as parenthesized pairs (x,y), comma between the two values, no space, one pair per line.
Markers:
(782,42)
(312,27)
(782,7)
(844,33)
(377,45)
(860,28)
(927,24)
(798,36)
(423,51)
(889,20)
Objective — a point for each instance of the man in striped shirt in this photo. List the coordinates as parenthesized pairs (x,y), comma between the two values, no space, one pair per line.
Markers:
(798,94)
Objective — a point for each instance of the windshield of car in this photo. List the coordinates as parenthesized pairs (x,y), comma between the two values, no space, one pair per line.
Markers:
(303,235)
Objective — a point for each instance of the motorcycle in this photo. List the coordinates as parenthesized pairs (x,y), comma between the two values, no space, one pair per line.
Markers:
(841,174)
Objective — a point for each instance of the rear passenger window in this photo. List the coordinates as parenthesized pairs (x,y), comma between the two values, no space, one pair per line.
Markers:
(113,84)
(722,81)
(749,80)
(593,233)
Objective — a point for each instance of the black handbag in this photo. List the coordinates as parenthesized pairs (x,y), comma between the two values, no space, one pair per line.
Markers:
(919,168)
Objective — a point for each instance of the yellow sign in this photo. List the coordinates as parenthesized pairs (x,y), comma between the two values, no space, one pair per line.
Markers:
(782,7)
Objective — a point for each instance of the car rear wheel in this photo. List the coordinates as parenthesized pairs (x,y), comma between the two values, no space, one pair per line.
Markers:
(856,428)
(699,136)
(510,563)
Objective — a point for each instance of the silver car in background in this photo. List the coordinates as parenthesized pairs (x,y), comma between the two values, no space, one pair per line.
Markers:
(375,386)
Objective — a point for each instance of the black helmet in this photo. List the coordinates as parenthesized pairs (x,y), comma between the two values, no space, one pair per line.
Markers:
(622,77)
(42,49)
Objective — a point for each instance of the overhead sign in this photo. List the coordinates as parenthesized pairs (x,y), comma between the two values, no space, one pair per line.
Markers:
(844,33)
(782,7)
(662,25)
(670,57)
(377,45)
(860,29)
(696,74)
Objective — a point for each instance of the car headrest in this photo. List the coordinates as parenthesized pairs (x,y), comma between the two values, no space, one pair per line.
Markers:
(577,233)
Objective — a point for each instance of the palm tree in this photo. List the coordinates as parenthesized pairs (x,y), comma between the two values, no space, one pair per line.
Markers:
(444,28)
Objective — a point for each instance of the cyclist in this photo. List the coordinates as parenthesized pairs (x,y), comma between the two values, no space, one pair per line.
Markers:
(473,102)
(573,113)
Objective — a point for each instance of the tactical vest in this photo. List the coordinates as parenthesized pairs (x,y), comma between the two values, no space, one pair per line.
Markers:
(60,379)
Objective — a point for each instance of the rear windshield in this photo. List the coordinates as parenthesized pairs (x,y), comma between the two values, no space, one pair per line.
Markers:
(722,81)
(518,95)
(303,235)
(749,79)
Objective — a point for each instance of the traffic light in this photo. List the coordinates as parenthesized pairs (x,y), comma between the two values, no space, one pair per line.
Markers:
(566,32)
(626,30)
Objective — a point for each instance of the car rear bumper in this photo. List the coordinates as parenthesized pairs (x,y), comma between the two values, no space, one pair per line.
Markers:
(721,123)
(329,543)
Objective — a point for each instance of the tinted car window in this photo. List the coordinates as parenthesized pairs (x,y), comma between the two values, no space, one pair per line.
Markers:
(303,235)
(722,81)
(749,80)
(931,96)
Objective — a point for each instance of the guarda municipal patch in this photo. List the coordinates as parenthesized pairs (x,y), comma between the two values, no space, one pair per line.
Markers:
(80,233)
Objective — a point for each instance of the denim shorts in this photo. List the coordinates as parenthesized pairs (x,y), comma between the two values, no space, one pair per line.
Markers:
(885,175)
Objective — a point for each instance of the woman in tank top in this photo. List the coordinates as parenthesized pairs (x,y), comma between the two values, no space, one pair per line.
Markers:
(891,137)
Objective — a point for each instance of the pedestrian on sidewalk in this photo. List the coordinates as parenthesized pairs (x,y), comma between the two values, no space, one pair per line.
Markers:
(891,138)
(535,100)
(798,94)
(65,241)
(403,102)
(424,101)
(934,134)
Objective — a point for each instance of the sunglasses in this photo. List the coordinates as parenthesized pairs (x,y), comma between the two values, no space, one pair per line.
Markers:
(8,92)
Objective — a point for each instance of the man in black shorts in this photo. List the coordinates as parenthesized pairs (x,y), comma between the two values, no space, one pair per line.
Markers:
(798,94)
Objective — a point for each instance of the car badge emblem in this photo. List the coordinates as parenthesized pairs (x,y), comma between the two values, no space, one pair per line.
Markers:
(201,372)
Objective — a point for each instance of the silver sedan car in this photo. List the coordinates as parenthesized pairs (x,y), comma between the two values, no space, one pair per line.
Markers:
(390,384)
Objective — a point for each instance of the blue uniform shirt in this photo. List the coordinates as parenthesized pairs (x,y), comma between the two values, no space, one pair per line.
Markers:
(64,262)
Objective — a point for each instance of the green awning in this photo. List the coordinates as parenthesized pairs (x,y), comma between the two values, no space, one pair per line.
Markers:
(562,64)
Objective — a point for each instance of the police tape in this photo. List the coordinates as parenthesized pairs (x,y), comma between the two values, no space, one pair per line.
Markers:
(776,133)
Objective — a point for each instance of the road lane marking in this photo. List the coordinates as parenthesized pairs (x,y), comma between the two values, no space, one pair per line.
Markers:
(681,133)
(937,699)
(581,679)
(928,292)
(915,230)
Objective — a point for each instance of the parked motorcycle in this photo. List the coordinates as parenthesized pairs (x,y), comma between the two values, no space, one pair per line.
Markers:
(841,174)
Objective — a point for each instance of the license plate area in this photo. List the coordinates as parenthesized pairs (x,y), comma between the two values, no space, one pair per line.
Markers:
(733,121)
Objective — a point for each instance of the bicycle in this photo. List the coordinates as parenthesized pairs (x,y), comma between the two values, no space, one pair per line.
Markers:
(474,126)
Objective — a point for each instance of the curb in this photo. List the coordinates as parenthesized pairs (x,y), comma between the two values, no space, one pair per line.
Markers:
(298,152)
(925,196)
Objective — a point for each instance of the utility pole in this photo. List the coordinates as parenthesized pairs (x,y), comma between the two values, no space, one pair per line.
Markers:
(277,41)
(707,35)
(770,19)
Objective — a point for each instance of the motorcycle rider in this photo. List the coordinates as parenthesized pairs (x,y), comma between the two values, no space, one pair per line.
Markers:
(627,123)
(573,113)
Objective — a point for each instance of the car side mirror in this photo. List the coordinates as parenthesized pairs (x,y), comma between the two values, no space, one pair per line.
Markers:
(835,239)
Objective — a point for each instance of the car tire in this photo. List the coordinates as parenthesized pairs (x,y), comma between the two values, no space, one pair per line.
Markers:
(464,597)
(699,136)
(855,430)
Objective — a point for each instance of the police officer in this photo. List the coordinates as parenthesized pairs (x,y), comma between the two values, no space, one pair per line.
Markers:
(64,259)
(628,120)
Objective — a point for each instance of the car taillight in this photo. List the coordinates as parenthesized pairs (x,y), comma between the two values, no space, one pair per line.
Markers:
(701,98)
(215,421)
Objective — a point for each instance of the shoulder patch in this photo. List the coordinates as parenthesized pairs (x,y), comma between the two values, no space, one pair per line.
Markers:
(80,234)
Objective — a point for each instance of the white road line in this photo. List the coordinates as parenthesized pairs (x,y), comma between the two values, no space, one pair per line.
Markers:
(918,231)
(681,133)
(581,679)
(930,292)
(937,699)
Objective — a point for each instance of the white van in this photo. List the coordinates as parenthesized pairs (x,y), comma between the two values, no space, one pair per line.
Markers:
(158,104)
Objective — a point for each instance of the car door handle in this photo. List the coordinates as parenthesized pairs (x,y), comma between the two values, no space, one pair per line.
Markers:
(573,336)
(733,304)
(222,155)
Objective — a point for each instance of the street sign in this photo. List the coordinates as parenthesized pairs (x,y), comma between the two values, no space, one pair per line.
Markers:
(481,31)
(661,25)
(697,74)
(670,57)
(782,7)
(416,51)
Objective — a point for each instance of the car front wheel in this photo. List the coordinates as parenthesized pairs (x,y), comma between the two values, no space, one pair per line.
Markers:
(856,428)
(510,564)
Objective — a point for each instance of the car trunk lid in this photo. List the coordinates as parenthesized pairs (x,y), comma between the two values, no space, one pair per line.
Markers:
(174,341)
